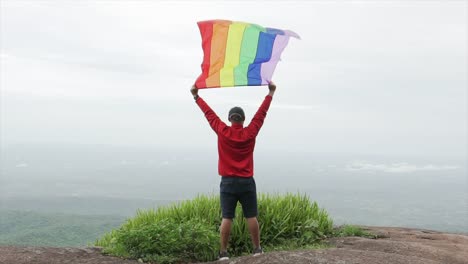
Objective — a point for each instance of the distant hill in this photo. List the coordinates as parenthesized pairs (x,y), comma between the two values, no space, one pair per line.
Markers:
(54,229)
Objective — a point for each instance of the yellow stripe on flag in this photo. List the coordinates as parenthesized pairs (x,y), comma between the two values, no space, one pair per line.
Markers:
(231,60)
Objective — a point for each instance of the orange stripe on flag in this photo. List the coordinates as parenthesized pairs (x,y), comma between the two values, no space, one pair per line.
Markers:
(218,50)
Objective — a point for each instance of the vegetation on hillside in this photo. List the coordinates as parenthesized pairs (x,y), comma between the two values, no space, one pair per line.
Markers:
(28,228)
(182,232)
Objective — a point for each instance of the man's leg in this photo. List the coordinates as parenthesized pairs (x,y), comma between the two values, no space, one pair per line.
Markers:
(254,231)
(250,208)
(228,208)
(225,231)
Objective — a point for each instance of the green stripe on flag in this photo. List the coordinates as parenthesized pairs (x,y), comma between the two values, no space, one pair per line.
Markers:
(248,52)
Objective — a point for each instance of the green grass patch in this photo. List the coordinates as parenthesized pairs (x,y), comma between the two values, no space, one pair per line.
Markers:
(189,231)
(352,230)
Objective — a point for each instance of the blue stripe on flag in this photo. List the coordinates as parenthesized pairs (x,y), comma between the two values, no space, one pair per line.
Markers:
(264,49)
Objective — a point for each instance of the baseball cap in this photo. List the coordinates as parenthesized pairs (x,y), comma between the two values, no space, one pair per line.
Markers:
(236,114)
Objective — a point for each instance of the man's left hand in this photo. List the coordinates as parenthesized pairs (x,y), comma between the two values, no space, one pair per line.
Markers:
(194,90)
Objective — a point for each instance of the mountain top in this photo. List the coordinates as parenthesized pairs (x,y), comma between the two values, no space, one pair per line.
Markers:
(391,245)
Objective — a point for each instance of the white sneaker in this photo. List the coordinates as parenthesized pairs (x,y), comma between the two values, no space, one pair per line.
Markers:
(223,256)
(257,252)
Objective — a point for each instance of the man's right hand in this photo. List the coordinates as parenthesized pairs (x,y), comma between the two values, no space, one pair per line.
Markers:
(272,88)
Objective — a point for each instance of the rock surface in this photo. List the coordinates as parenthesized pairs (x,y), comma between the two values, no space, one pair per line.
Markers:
(392,246)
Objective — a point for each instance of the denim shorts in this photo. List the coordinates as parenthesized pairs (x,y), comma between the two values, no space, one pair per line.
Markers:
(238,189)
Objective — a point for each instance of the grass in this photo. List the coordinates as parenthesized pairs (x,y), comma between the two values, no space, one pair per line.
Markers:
(189,231)
(351,230)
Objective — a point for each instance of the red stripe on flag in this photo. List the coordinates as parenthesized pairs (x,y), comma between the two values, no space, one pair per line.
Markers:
(206,31)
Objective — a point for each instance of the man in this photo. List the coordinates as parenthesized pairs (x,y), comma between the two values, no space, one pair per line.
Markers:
(236,145)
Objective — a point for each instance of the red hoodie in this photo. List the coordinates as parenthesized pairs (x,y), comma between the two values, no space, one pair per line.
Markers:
(236,143)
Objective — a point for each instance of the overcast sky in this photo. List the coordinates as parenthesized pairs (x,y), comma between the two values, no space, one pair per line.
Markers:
(387,77)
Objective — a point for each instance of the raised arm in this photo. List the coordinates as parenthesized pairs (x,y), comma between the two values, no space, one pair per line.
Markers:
(213,119)
(257,121)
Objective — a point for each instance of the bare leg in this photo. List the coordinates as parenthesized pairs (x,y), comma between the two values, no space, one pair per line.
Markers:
(225,231)
(254,231)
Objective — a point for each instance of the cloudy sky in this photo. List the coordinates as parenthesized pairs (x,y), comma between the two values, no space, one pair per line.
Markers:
(385,77)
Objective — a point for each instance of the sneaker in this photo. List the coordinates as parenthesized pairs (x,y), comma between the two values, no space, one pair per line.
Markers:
(223,255)
(257,252)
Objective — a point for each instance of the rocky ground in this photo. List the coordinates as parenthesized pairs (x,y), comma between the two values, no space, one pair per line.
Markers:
(391,246)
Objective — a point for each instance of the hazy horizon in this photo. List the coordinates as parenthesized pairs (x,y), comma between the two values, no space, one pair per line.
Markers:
(413,191)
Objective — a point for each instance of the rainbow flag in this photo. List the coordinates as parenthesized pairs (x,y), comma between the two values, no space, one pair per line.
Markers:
(239,54)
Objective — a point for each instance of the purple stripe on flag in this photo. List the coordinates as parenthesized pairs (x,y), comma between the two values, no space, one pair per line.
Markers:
(269,67)
(291,34)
